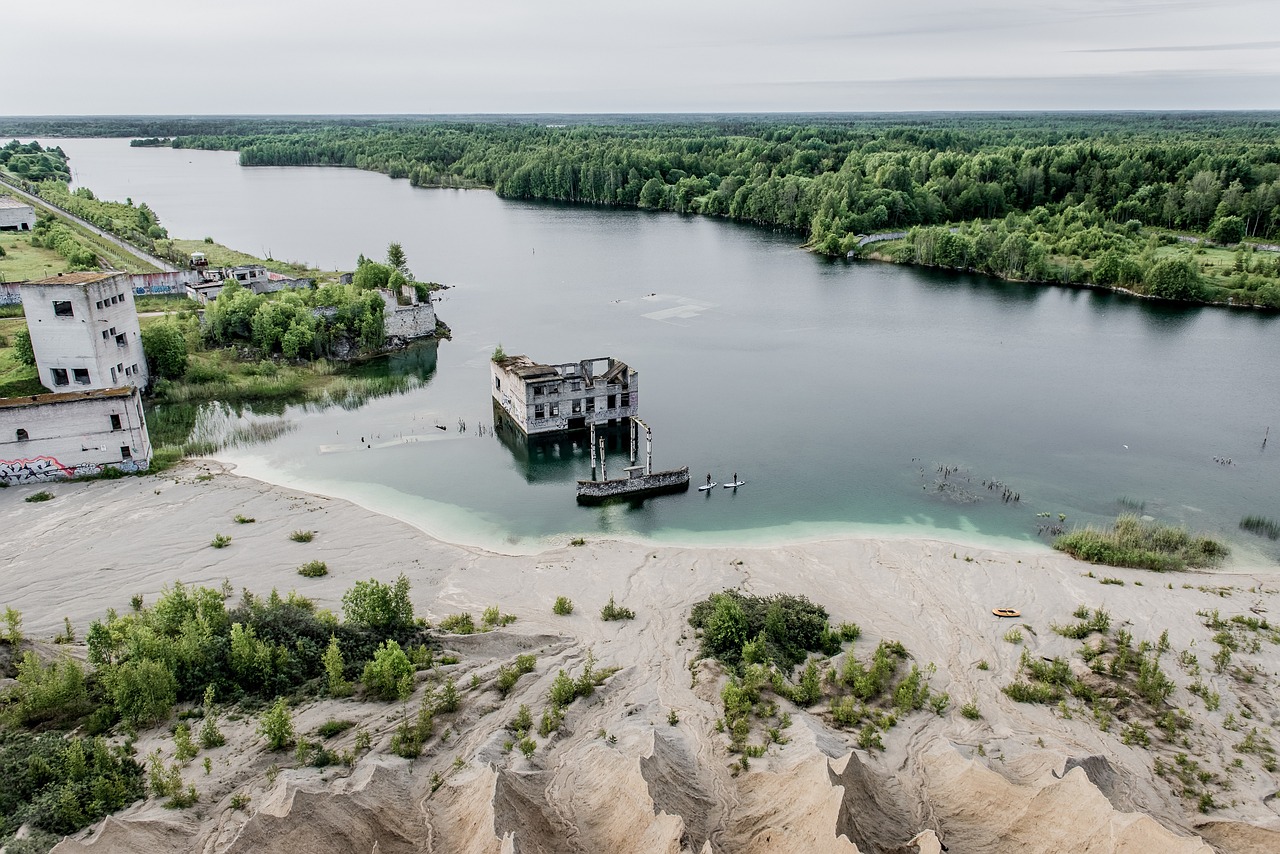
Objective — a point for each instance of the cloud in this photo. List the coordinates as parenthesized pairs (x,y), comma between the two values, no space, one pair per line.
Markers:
(1182,48)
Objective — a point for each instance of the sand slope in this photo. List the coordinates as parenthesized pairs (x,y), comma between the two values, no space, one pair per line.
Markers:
(620,776)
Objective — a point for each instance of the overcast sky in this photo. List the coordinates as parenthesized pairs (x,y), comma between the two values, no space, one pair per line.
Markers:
(594,56)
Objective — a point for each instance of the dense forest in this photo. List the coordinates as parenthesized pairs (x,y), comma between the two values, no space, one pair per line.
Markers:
(1139,201)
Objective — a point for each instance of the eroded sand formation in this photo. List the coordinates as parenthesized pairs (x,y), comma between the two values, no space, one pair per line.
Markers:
(620,776)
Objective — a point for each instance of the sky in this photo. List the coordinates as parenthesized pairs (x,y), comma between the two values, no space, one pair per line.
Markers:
(197,57)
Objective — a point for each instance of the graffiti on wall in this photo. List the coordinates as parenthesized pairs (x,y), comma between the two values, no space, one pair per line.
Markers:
(41,469)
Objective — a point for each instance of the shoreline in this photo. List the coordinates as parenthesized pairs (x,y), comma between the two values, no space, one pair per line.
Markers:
(773,537)
(1005,774)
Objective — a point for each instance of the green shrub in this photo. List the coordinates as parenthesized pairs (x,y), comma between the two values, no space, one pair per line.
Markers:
(390,675)
(313,569)
(458,624)
(381,607)
(37,497)
(302,536)
(612,611)
(244,520)
(220,541)
(276,725)
(563,606)
(333,727)
(970,710)
(492,618)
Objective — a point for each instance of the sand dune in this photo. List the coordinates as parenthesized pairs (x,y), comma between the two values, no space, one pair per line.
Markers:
(620,776)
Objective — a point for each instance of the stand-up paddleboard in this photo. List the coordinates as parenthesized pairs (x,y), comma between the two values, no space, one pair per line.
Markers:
(735,484)
(707,486)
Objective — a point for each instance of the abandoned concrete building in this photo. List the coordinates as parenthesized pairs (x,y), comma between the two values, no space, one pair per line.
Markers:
(72,434)
(16,215)
(84,331)
(543,399)
(88,349)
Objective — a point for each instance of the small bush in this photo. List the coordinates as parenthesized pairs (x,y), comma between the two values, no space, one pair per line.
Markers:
(850,631)
(458,624)
(276,725)
(221,541)
(492,618)
(245,520)
(313,569)
(1013,636)
(333,727)
(577,541)
(37,497)
(563,606)
(970,710)
(302,536)
(612,611)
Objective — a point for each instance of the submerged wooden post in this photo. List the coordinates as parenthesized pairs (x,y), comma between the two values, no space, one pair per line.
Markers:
(603,474)
(592,443)
(648,450)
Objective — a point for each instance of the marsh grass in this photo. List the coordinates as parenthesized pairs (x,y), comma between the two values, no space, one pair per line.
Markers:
(1134,543)
(1262,526)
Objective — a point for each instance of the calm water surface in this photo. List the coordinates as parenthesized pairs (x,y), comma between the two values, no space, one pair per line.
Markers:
(828,387)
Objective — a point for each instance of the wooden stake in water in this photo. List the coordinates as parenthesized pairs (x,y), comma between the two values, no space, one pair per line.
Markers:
(592,443)
(603,475)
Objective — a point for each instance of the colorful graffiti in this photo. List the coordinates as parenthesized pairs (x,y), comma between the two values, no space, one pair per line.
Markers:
(41,469)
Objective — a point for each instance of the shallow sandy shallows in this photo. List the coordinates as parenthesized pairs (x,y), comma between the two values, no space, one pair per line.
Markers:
(621,776)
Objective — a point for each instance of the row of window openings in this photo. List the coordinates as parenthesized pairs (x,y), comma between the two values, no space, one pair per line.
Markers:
(81,375)
(540,390)
(116,424)
(111,300)
(553,411)
(121,339)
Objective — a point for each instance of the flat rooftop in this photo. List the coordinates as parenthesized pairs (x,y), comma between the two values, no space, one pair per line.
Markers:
(65,397)
(10,202)
(83,278)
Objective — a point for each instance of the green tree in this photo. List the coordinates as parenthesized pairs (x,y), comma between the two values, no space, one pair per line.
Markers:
(370,275)
(396,259)
(390,674)
(1174,278)
(276,725)
(334,668)
(143,690)
(22,349)
(382,607)
(725,630)
(1227,230)
(166,350)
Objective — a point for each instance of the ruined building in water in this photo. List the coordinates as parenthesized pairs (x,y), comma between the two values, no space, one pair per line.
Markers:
(88,349)
(546,399)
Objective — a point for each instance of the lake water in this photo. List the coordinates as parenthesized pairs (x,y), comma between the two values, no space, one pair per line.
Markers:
(835,389)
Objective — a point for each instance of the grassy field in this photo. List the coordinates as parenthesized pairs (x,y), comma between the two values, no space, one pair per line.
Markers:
(24,261)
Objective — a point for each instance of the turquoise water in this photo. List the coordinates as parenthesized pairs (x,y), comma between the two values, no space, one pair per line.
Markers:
(835,389)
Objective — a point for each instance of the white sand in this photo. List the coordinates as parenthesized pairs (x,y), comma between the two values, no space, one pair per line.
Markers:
(976,785)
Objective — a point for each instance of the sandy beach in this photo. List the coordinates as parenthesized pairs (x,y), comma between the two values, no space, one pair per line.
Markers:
(622,776)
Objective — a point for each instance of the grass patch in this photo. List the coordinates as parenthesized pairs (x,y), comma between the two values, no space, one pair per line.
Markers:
(220,541)
(244,520)
(302,536)
(563,606)
(37,497)
(1134,543)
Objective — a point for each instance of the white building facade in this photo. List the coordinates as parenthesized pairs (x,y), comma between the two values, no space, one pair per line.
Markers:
(543,399)
(84,331)
(47,437)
